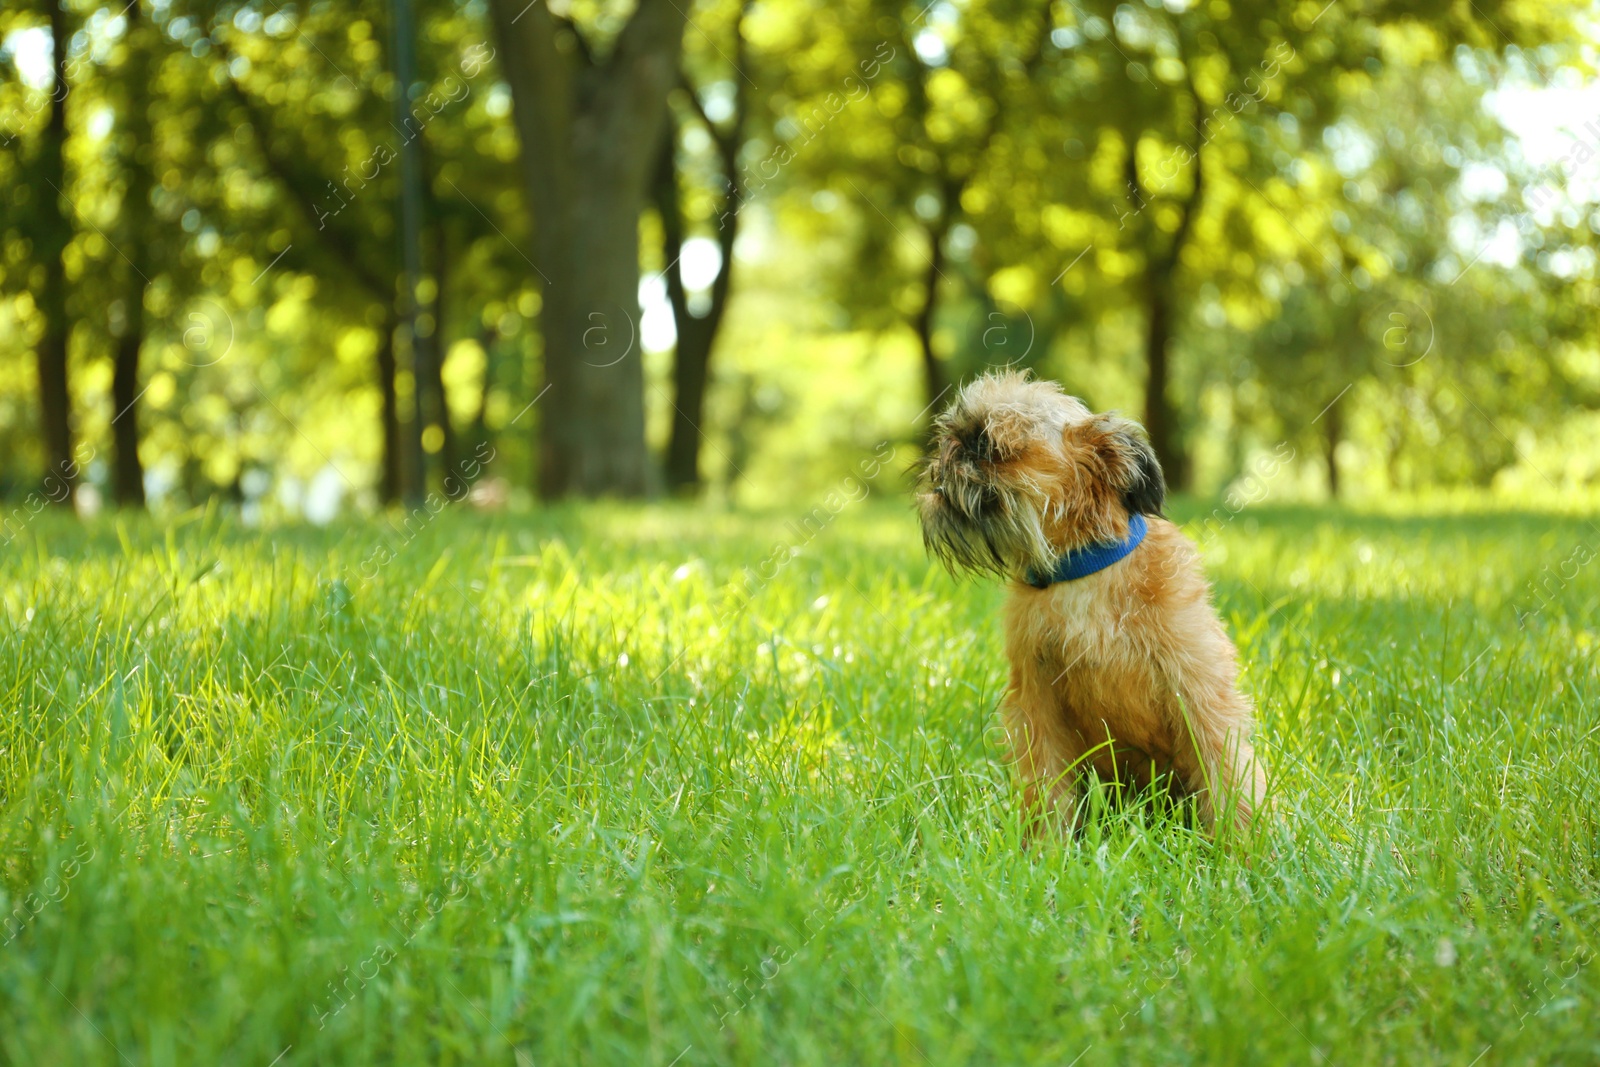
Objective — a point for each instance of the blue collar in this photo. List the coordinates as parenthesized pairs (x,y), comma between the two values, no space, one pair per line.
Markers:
(1087,560)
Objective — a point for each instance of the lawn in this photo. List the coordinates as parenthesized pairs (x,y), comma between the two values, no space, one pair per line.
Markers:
(564,788)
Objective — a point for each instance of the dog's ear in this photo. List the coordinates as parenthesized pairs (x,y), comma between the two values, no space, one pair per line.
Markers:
(1134,468)
(1146,491)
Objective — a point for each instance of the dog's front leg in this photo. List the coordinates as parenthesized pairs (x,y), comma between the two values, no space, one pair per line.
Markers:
(1214,756)
(1045,751)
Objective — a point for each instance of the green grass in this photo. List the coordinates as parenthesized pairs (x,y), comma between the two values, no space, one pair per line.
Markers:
(538,790)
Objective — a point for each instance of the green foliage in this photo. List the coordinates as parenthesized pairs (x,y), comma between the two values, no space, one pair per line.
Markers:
(925,190)
(625,785)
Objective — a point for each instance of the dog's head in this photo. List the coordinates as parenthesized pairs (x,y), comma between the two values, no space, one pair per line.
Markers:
(1020,473)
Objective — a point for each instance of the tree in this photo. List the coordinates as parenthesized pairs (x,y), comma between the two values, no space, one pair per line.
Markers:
(302,181)
(335,171)
(52,232)
(697,328)
(906,127)
(1160,283)
(952,148)
(355,246)
(1202,93)
(590,126)
(138,150)
(1403,332)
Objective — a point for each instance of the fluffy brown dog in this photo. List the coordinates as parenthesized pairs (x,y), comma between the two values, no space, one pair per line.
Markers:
(1119,663)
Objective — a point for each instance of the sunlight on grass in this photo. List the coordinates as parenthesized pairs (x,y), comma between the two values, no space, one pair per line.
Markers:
(572,787)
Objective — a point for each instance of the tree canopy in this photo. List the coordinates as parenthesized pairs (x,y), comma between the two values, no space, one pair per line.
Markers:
(731,246)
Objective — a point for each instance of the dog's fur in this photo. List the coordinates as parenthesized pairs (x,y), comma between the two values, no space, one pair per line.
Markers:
(1126,672)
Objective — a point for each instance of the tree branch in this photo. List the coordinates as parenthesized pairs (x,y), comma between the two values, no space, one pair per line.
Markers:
(580,42)
(338,239)
(1191,203)
(728,142)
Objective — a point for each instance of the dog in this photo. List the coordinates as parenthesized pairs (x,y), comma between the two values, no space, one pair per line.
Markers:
(1119,663)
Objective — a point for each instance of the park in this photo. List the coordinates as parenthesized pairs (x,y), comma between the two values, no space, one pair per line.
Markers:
(473,581)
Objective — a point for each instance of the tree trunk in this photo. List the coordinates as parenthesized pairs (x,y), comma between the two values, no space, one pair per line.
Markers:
(691,374)
(589,131)
(691,367)
(1160,416)
(1395,450)
(418,351)
(55,233)
(488,340)
(1161,294)
(1333,433)
(438,402)
(692,352)
(935,378)
(592,430)
(389,483)
(691,364)
(127,473)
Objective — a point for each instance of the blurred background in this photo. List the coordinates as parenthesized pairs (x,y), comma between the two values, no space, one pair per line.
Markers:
(316,259)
